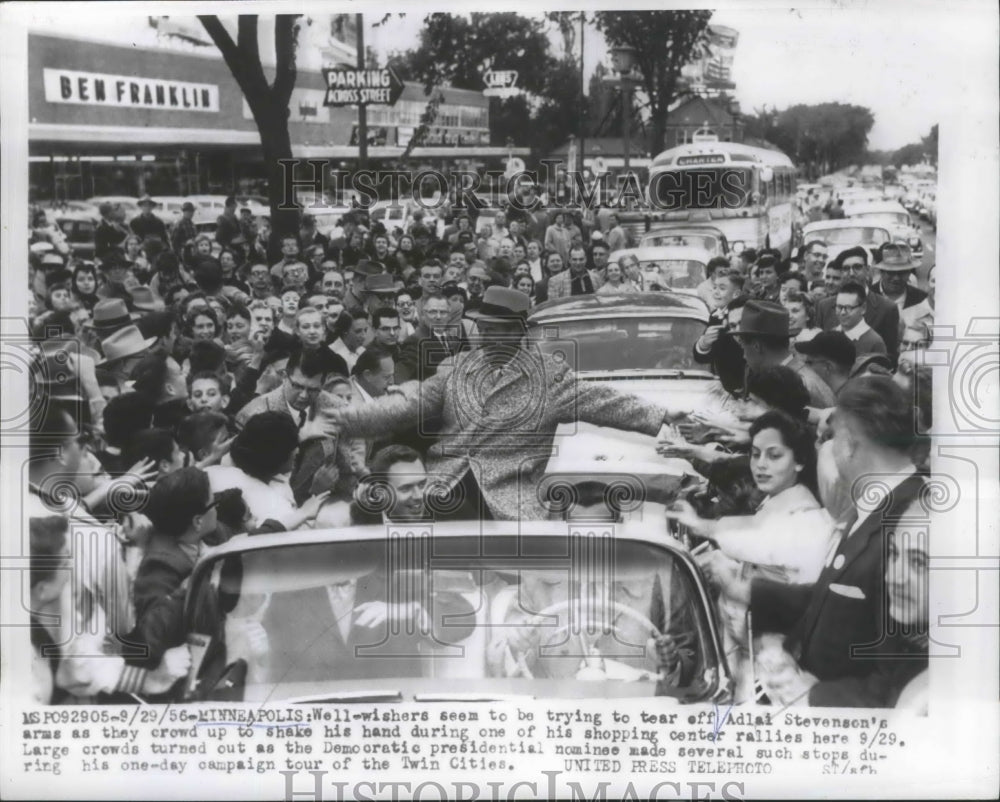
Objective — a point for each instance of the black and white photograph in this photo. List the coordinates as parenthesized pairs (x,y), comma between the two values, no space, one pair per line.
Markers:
(441,401)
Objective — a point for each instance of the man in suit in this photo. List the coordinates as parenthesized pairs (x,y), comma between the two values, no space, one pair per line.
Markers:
(839,629)
(577,280)
(147,225)
(301,396)
(879,313)
(850,313)
(110,233)
(499,407)
(433,341)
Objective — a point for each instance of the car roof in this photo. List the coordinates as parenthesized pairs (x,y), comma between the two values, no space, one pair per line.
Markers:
(829,225)
(681,230)
(631,530)
(633,304)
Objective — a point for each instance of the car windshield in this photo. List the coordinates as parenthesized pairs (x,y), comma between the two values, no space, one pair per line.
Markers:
(626,343)
(484,615)
(710,242)
(665,274)
(855,235)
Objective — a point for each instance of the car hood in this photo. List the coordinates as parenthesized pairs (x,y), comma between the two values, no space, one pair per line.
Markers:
(653,386)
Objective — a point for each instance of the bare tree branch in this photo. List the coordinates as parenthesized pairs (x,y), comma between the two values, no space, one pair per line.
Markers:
(247,38)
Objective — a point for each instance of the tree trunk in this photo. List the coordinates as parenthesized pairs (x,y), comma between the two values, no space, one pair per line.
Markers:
(276,145)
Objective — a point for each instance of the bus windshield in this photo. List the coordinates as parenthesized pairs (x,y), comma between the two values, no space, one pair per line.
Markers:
(701,188)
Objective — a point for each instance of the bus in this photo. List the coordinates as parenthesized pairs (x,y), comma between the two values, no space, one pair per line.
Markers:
(747,192)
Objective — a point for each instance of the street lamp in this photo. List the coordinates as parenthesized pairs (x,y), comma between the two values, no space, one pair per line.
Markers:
(623,59)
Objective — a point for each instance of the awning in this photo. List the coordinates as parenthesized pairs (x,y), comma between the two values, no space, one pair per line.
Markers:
(125,136)
(394,152)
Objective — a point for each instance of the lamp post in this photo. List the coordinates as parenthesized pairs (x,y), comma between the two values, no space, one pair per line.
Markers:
(623,59)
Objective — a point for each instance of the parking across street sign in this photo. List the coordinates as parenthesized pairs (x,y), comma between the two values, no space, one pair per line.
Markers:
(348,87)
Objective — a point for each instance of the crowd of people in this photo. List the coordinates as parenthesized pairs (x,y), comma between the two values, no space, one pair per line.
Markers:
(198,386)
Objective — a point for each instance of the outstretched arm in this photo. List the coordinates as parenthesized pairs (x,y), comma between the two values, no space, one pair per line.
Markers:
(393,412)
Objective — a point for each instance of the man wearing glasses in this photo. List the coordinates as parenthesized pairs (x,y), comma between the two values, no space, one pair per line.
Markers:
(879,313)
(300,394)
(850,309)
(814,260)
(181,508)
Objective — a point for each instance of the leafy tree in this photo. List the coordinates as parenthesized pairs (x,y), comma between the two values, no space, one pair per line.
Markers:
(457,50)
(665,42)
(268,100)
(819,138)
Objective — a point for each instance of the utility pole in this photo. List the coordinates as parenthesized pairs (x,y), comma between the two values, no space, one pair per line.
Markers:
(362,109)
(583,98)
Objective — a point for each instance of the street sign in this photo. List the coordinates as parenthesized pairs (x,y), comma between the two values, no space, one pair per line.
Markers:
(500,83)
(349,87)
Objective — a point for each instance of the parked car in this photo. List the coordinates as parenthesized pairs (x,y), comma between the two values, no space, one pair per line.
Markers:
(129,204)
(79,228)
(669,267)
(591,621)
(895,218)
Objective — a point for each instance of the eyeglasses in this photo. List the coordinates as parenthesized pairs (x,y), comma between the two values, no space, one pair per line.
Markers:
(210,506)
(840,308)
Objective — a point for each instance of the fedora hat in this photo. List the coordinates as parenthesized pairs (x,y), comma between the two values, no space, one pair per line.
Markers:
(896,258)
(380,283)
(110,315)
(146,200)
(367,267)
(124,343)
(764,318)
(41,247)
(143,298)
(52,260)
(502,305)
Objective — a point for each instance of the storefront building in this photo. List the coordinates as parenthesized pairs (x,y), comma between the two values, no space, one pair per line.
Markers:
(117,120)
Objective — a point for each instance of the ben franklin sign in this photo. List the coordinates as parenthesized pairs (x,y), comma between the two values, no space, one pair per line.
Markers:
(127,91)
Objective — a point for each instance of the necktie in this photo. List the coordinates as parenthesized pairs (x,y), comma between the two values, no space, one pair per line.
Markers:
(303,415)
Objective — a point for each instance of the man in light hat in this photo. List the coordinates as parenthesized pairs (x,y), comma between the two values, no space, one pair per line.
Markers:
(499,407)
(763,335)
(123,350)
(146,224)
(895,271)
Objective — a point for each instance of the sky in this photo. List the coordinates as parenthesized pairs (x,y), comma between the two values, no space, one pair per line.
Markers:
(892,57)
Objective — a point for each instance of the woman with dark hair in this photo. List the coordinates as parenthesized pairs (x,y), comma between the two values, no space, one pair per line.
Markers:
(263,455)
(202,324)
(786,540)
(791,280)
(85,284)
